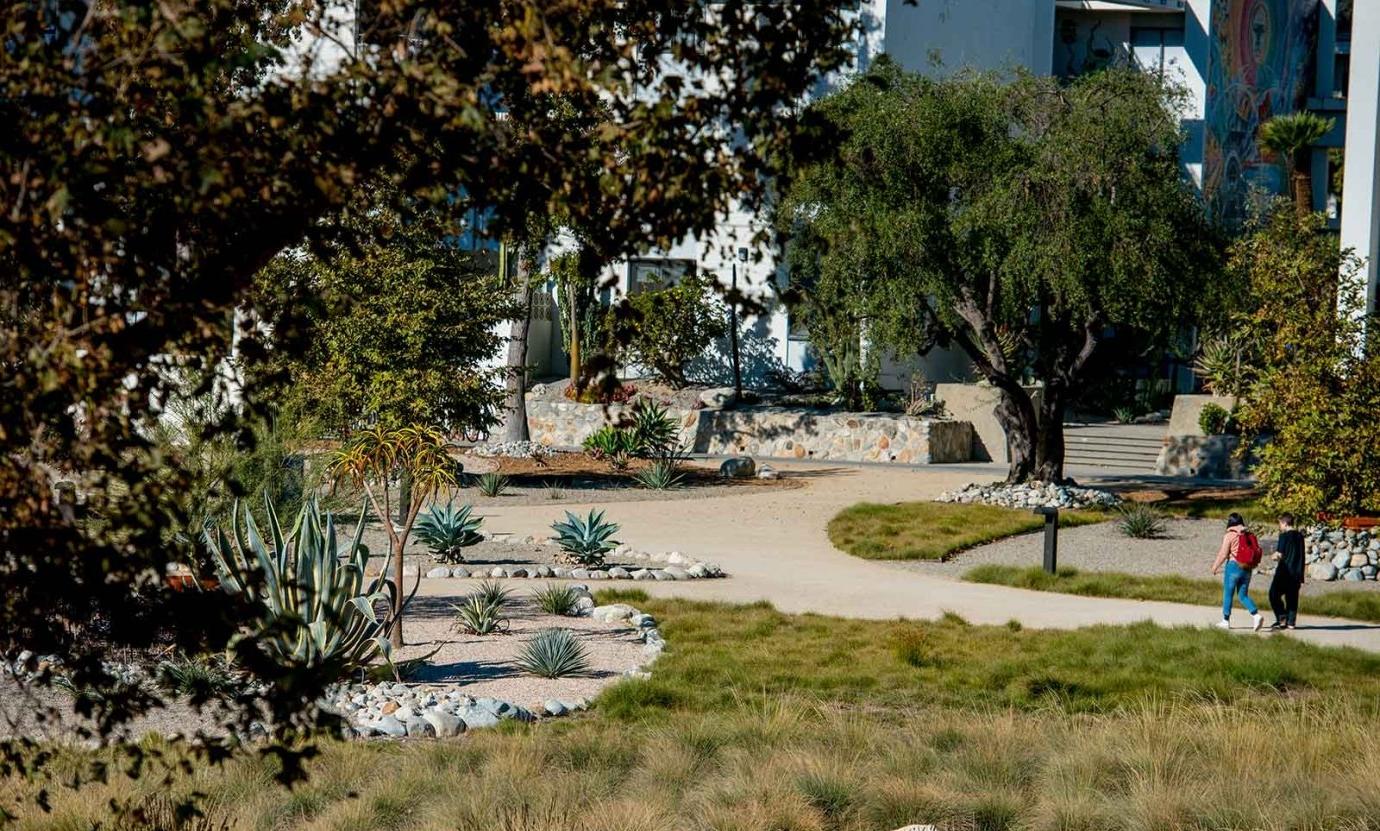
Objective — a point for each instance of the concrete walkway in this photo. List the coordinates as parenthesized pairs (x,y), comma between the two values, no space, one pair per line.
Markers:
(774,545)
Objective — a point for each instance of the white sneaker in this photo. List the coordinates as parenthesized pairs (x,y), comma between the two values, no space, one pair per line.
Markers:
(1257,621)
(1223,624)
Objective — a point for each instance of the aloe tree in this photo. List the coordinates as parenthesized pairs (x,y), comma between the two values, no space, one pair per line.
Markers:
(1291,136)
(380,455)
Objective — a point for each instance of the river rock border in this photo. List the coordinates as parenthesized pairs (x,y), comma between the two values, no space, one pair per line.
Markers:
(662,565)
(1032,495)
(1342,554)
(400,710)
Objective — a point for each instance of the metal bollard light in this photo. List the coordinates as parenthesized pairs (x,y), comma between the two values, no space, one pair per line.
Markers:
(1051,516)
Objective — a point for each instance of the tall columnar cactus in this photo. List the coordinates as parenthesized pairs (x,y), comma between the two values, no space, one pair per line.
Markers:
(318,611)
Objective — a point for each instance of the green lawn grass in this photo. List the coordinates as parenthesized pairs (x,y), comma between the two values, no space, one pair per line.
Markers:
(934,530)
(756,720)
(1355,605)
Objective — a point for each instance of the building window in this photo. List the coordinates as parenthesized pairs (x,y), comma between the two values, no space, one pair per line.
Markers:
(1156,48)
(648,274)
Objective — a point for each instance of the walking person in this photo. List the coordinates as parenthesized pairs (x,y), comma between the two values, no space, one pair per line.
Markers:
(1236,560)
(1284,588)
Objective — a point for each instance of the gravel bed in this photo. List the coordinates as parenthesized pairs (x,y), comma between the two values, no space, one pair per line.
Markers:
(1187,549)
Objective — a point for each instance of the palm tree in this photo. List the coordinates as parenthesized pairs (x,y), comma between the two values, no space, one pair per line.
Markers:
(1291,136)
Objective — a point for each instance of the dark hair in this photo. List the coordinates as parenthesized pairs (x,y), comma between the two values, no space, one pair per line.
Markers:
(1286,518)
(1234,519)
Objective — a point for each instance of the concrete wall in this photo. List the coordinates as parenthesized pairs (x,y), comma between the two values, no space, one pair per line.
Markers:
(772,432)
(975,403)
(942,36)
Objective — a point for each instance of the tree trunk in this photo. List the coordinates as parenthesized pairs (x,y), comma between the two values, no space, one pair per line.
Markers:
(574,323)
(1049,450)
(1016,414)
(515,383)
(404,495)
(1301,183)
(395,632)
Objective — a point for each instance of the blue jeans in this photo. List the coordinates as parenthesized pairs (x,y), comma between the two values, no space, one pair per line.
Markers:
(1235,582)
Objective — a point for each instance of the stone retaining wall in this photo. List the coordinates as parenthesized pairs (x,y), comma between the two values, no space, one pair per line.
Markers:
(773,432)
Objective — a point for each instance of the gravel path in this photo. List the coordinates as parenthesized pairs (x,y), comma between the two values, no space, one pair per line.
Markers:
(1187,549)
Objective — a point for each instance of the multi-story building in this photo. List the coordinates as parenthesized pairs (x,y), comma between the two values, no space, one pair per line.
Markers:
(1240,61)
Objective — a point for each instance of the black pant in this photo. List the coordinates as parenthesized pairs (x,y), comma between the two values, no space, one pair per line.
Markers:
(1284,597)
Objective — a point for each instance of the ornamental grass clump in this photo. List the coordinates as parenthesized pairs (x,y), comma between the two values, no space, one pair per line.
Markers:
(584,541)
(662,475)
(446,531)
(493,592)
(492,484)
(554,653)
(478,616)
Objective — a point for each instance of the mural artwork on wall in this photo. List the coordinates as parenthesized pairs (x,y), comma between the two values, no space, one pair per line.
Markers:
(1259,66)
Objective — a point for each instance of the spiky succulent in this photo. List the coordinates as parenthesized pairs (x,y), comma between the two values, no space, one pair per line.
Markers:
(493,592)
(318,610)
(609,441)
(585,540)
(662,475)
(654,432)
(492,484)
(558,599)
(1141,522)
(479,616)
(553,653)
(447,531)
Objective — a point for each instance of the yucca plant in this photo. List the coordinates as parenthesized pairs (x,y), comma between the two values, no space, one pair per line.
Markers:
(318,610)
(557,599)
(553,653)
(1141,522)
(478,616)
(492,484)
(584,541)
(493,592)
(662,475)
(653,431)
(447,531)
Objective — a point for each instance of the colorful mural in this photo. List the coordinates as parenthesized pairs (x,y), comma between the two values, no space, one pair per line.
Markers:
(1260,62)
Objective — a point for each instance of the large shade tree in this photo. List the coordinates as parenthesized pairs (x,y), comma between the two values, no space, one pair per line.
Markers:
(1019,219)
(156,156)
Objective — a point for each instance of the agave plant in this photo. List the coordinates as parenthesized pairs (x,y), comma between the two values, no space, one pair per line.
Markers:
(608,441)
(584,541)
(553,653)
(447,531)
(317,609)
(493,592)
(492,484)
(558,599)
(653,431)
(662,475)
(1141,522)
(478,616)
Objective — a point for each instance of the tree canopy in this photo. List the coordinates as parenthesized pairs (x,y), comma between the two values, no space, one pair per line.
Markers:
(1018,218)
(156,156)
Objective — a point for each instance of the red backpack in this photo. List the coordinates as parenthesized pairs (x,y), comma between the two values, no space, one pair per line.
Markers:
(1248,551)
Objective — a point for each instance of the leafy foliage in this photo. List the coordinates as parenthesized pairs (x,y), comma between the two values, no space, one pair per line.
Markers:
(554,653)
(1023,218)
(491,484)
(669,326)
(317,610)
(1215,420)
(1141,522)
(157,156)
(558,599)
(478,616)
(1317,382)
(1124,415)
(448,530)
(1226,363)
(1291,136)
(196,679)
(585,540)
(608,441)
(653,430)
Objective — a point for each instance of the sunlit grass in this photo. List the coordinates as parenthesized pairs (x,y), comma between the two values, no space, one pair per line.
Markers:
(934,530)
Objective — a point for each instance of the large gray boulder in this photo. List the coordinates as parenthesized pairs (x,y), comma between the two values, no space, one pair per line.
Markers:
(739,467)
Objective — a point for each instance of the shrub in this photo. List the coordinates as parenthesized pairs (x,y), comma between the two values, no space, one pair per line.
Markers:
(492,484)
(584,541)
(479,616)
(446,531)
(1214,420)
(1124,415)
(608,441)
(317,612)
(554,491)
(554,653)
(912,647)
(558,599)
(662,475)
(671,326)
(614,393)
(1141,522)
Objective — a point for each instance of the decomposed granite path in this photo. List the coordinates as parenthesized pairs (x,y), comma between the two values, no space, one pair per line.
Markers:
(774,545)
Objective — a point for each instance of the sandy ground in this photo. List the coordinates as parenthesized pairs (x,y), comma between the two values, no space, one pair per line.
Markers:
(775,546)
(1187,549)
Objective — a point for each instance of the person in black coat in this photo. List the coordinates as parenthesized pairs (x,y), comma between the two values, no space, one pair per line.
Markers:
(1284,589)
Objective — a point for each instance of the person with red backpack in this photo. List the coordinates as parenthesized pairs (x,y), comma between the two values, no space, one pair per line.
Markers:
(1236,559)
